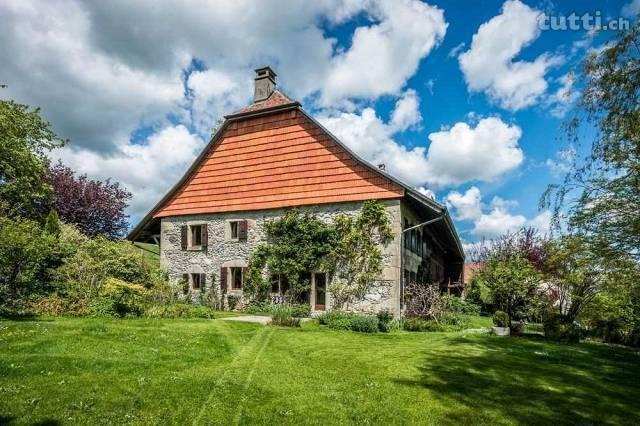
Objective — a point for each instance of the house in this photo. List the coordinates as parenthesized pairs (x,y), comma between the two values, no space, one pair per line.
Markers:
(272,156)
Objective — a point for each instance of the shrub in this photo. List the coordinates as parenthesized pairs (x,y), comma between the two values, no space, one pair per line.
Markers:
(556,329)
(179,310)
(232,302)
(501,319)
(119,298)
(283,315)
(385,319)
(298,310)
(459,306)
(301,310)
(364,323)
(517,327)
(417,324)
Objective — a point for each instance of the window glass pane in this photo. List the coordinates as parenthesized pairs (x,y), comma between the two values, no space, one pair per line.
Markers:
(321,288)
(275,283)
(195,281)
(234,229)
(236,278)
(196,235)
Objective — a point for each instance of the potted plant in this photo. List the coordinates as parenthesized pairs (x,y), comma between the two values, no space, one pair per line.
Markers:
(501,323)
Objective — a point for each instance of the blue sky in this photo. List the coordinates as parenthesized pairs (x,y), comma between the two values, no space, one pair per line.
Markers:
(461,99)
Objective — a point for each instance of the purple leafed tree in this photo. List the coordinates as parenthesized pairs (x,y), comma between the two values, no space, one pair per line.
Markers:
(95,207)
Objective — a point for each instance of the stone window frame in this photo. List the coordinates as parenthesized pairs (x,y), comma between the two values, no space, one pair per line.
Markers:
(190,226)
(228,229)
(236,263)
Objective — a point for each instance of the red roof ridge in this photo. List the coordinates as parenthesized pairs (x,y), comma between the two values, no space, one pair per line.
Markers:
(276,99)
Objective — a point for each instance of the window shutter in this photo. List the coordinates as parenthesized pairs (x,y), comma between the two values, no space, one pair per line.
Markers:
(203,281)
(223,280)
(205,236)
(242,230)
(184,232)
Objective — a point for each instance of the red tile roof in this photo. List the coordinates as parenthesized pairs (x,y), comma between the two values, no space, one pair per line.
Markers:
(276,99)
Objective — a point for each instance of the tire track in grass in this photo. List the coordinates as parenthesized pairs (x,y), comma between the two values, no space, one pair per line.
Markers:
(240,407)
(251,351)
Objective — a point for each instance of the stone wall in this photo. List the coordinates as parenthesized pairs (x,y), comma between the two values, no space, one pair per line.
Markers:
(224,252)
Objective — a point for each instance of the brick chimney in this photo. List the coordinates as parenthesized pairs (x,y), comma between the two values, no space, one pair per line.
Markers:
(265,83)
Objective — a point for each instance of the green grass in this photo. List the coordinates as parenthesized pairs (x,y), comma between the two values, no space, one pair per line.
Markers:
(150,252)
(103,371)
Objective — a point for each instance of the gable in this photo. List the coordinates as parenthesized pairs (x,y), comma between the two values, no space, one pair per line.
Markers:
(275,161)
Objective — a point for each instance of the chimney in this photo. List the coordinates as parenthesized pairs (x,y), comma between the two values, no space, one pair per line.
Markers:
(382,167)
(265,83)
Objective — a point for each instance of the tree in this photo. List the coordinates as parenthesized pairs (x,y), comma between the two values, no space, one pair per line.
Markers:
(25,139)
(95,207)
(602,194)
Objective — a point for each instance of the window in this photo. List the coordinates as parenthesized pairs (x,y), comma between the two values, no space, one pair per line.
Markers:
(236,278)
(407,241)
(196,284)
(234,230)
(424,247)
(419,244)
(196,235)
(413,240)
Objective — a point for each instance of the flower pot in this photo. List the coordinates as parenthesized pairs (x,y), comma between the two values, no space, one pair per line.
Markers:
(501,331)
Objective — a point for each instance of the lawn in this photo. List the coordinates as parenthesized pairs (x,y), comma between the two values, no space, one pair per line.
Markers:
(103,371)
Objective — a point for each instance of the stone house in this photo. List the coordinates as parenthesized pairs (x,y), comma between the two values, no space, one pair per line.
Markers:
(273,156)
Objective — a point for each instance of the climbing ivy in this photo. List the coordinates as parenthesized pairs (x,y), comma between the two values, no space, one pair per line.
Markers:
(349,249)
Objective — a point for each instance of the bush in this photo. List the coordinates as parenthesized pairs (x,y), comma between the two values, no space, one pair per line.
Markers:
(179,310)
(459,306)
(283,315)
(385,319)
(417,324)
(232,302)
(349,321)
(364,323)
(119,298)
(556,329)
(501,319)
(301,310)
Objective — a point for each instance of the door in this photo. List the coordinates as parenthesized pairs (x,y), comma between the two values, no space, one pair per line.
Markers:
(321,291)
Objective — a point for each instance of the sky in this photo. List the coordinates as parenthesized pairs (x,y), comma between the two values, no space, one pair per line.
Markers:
(461,99)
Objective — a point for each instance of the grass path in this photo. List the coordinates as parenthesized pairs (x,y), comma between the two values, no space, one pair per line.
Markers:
(248,356)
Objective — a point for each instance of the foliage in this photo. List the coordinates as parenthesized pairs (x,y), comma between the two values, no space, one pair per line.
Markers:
(178,310)
(501,319)
(356,259)
(425,301)
(349,249)
(600,194)
(93,206)
(119,298)
(284,315)
(25,139)
(458,306)
(350,321)
(513,285)
(527,243)
(232,302)
(297,243)
(385,320)
(26,252)
(298,310)
(555,328)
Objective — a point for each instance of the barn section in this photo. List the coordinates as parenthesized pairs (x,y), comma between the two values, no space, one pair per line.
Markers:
(272,156)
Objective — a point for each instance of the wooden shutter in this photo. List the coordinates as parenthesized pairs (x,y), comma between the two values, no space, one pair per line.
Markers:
(205,236)
(242,230)
(184,236)
(223,280)
(203,281)
(185,284)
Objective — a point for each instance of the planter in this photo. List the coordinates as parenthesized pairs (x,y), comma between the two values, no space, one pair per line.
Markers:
(501,331)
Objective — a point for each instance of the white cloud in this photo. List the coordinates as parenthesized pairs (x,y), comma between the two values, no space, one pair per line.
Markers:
(384,55)
(464,153)
(147,170)
(631,9)
(494,219)
(102,70)
(453,53)
(467,205)
(426,192)
(457,155)
(562,163)
(489,66)
(406,113)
